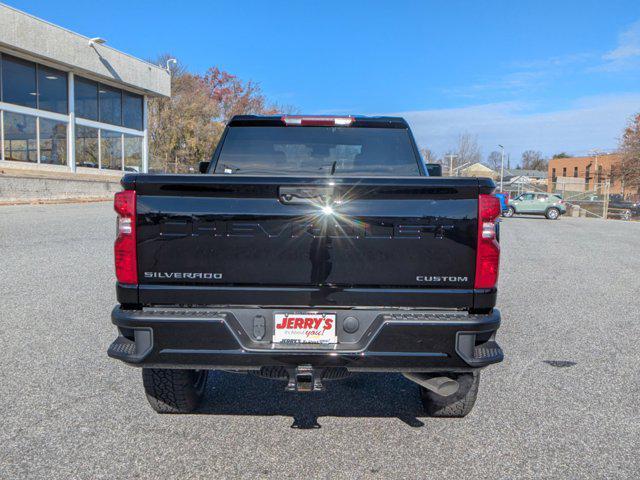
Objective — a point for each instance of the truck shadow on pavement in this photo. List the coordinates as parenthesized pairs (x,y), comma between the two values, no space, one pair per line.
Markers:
(360,395)
(524,217)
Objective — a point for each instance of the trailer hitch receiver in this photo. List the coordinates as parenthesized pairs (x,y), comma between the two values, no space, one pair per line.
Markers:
(304,379)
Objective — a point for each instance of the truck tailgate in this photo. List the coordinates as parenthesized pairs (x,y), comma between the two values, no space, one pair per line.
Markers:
(238,233)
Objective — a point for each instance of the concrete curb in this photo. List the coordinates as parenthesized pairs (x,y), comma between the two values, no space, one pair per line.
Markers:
(45,201)
(39,187)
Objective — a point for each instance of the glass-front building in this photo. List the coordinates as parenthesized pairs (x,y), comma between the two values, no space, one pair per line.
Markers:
(56,117)
(72,103)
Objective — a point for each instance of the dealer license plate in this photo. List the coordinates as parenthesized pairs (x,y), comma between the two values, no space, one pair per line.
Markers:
(308,327)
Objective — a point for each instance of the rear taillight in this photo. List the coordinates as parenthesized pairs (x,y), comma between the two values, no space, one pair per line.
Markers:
(124,203)
(316,121)
(488,254)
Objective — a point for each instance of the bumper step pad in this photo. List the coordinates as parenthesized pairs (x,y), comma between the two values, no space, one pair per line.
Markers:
(122,347)
(487,351)
(478,354)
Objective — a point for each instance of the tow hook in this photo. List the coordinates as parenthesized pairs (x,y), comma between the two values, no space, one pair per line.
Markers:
(443,386)
(304,379)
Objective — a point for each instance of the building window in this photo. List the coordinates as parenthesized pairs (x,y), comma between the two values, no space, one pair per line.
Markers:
(110,104)
(53,142)
(19,81)
(113,145)
(132,110)
(564,171)
(52,90)
(86,93)
(20,137)
(587,175)
(553,173)
(575,172)
(99,102)
(132,153)
(87,147)
(35,86)
(111,150)
(41,136)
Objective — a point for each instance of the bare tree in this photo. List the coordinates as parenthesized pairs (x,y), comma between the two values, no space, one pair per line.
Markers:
(533,160)
(494,161)
(468,150)
(629,168)
(429,156)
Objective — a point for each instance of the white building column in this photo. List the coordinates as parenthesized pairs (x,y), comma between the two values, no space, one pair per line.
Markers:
(99,149)
(37,141)
(122,149)
(71,126)
(145,138)
(1,135)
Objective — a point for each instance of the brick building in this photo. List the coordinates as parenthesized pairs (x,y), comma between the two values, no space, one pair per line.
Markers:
(583,174)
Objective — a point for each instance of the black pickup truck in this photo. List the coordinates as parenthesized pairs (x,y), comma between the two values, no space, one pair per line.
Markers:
(311,247)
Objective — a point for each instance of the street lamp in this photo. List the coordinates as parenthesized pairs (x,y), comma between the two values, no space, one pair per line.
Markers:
(169,62)
(501,167)
(96,41)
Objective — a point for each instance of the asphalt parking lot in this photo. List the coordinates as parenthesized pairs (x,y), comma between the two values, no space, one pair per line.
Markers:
(563,404)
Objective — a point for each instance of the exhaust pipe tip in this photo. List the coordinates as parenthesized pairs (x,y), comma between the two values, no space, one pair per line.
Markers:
(443,386)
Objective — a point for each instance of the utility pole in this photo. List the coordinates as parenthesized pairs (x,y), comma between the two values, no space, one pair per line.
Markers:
(501,168)
(451,157)
(605,212)
(596,175)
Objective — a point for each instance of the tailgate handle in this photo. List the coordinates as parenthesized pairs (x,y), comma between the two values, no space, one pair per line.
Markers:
(297,195)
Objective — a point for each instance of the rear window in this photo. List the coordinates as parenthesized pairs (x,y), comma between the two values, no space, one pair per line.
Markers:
(317,151)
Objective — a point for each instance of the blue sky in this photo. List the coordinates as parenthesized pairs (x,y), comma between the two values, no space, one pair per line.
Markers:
(546,75)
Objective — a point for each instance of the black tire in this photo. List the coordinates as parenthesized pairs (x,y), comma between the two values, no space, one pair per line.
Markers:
(457,405)
(626,215)
(552,213)
(509,212)
(174,391)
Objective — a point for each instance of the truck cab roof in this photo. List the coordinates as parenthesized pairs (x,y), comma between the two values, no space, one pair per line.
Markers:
(359,121)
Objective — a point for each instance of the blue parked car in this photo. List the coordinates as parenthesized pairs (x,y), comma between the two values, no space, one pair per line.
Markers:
(504,201)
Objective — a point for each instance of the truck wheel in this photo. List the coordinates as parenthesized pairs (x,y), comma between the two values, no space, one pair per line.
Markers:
(552,214)
(626,215)
(457,405)
(509,212)
(174,391)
